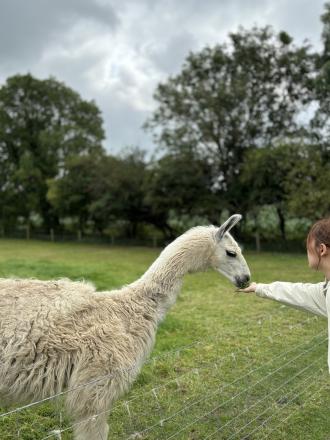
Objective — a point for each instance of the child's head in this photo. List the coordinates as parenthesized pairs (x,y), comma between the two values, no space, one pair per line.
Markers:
(318,244)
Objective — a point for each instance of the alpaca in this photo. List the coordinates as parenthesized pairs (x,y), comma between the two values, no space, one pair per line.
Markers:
(63,335)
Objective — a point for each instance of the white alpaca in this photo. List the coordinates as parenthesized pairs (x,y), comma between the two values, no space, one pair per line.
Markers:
(58,335)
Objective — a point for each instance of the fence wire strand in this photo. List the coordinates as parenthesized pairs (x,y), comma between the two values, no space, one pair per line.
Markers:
(211,365)
(285,419)
(236,417)
(239,394)
(207,396)
(284,405)
(216,363)
(113,374)
(261,400)
(161,422)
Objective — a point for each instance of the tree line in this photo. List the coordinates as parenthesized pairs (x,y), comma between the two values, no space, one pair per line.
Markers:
(244,127)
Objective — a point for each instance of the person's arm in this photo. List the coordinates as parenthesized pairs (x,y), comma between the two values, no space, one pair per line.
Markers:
(304,296)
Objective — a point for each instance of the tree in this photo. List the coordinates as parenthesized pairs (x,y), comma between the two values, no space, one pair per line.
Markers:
(43,122)
(294,178)
(118,191)
(71,195)
(228,99)
(8,211)
(321,87)
(264,179)
(103,190)
(180,183)
(325,18)
(307,184)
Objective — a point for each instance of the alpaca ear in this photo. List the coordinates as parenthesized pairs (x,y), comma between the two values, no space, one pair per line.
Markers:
(227,225)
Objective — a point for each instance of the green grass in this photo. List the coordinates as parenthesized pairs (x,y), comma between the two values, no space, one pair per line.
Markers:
(249,370)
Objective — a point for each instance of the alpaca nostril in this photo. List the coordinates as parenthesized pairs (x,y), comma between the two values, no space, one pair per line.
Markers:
(242,281)
(246,278)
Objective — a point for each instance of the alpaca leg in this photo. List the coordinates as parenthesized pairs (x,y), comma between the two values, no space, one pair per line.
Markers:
(90,407)
(95,428)
(89,403)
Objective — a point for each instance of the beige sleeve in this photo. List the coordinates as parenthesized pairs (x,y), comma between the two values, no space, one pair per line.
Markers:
(304,296)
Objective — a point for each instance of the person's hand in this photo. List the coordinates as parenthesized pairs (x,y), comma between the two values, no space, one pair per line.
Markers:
(251,288)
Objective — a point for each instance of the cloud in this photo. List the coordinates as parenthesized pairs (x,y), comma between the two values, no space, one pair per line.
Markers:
(117,52)
(29,28)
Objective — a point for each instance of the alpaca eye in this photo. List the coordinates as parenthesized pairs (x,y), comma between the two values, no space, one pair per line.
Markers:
(231,254)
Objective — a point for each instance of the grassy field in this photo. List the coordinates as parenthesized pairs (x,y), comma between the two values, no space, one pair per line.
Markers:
(225,365)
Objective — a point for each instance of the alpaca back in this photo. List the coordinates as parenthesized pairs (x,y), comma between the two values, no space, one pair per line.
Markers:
(59,334)
(30,311)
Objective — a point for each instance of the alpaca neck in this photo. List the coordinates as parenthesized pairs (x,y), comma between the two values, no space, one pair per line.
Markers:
(190,252)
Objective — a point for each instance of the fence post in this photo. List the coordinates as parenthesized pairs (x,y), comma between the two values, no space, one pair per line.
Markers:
(28,232)
(154,241)
(79,235)
(258,247)
(52,235)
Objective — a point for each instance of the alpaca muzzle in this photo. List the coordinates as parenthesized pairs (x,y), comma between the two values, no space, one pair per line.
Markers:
(242,281)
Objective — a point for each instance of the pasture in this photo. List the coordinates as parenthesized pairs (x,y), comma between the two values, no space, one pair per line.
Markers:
(225,365)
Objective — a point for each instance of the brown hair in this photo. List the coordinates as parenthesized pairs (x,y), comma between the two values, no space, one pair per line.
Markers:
(320,233)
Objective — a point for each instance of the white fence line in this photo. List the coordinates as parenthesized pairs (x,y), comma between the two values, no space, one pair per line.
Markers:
(121,371)
(241,413)
(216,363)
(161,422)
(293,412)
(304,388)
(207,396)
(263,398)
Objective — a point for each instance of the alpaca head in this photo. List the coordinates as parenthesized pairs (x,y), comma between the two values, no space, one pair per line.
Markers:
(228,258)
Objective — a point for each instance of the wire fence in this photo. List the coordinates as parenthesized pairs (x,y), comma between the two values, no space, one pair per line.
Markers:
(240,394)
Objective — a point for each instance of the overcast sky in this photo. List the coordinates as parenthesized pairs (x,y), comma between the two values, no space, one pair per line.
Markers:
(117,51)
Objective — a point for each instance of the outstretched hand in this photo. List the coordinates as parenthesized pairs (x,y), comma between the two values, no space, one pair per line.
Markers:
(251,288)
